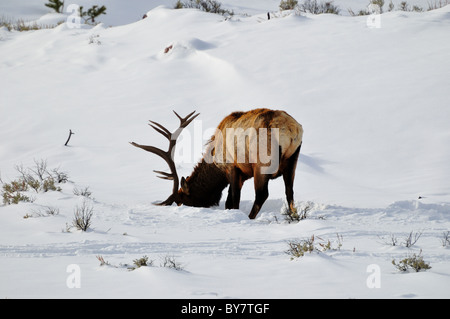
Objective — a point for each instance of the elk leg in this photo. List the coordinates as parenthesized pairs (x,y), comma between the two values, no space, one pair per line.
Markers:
(289,183)
(229,202)
(234,191)
(261,193)
(288,177)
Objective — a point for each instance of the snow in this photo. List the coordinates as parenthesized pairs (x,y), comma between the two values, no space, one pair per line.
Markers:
(373,103)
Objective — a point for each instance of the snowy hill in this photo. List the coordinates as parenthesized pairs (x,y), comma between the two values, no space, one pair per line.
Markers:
(374,104)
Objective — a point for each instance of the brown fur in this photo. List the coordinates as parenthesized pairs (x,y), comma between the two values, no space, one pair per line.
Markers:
(205,185)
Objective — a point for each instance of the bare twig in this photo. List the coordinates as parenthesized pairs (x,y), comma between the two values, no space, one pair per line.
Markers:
(70,135)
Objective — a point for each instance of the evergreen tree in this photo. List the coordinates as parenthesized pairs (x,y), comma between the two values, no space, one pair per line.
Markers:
(92,13)
(56,5)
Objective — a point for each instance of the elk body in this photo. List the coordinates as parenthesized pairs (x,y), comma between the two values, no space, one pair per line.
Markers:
(262,143)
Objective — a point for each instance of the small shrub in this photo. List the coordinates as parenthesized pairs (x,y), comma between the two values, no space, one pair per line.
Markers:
(379,4)
(330,8)
(82,192)
(298,249)
(40,169)
(445,239)
(293,215)
(12,192)
(314,7)
(288,4)
(211,6)
(170,262)
(415,262)
(44,212)
(412,239)
(179,5)
(21,25)
(143,261)
(39,178)
(360,12)
(437,4)
(94,39)
(83,216)
(102,260)
(60,177)
(393,240)
(49,185)
(391,6)
(51,211)
(14,197)
(374,7)
(18,185)
(404,6)
(340,240)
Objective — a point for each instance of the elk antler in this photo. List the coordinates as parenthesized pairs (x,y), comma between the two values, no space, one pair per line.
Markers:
(168,155)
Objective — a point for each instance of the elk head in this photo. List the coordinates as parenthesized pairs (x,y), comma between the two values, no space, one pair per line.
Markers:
(168,155)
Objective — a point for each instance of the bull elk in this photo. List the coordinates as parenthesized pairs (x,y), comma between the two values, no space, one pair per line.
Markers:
(262,143)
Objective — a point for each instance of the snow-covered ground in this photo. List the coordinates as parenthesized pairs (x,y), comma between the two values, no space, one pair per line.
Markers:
(374,104)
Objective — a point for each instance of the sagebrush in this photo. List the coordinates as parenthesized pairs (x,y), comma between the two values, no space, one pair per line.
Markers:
(414,262)
(316,7)
(83,216)
(211,6)
(298,248)
(37,178)
(288,4)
